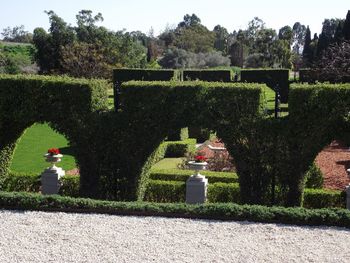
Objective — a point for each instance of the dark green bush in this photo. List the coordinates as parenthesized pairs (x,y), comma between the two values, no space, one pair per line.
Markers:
(320,198)
(182,175)
(314,177)
(314,75)
(271,77)
(178,135)
(200,134)
(208,75)
(180,148)
(308,75)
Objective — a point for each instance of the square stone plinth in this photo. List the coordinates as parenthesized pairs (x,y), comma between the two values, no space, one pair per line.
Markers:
(196,190)
(50,183)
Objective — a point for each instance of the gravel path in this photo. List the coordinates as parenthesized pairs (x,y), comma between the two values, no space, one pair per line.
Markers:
(65,237)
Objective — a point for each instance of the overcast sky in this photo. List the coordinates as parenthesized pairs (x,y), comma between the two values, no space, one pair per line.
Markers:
(157,14)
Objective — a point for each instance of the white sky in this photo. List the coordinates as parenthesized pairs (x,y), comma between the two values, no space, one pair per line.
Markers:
(157,14)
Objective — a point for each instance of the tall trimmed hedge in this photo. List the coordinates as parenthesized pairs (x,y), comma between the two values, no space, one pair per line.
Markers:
(67,104)
(125,74)
(208,75)
(156,108)
(115,150)
(271,77)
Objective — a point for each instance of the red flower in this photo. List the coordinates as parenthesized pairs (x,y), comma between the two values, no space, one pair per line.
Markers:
(200,158)
(53,151)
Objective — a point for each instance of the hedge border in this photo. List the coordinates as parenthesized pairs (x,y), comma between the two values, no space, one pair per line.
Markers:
(175,191)
(225,212)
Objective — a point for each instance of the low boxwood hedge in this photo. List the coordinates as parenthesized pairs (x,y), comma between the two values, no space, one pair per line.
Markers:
(170,186)
(320,198)
(175,191)
(182,175)
(179,148)
(295,216)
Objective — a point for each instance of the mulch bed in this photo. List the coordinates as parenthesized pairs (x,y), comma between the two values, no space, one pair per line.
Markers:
(333,161)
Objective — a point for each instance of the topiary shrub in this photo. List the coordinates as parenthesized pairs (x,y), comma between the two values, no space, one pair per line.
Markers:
(314,177)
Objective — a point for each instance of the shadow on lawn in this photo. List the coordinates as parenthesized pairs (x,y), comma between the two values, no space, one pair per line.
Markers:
(67,151)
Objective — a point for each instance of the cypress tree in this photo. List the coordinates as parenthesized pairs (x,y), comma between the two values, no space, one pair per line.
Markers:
(346,27)
(339,36)
(307,51)
(321,45)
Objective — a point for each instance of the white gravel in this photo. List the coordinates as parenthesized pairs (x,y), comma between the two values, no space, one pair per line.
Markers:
(69,237)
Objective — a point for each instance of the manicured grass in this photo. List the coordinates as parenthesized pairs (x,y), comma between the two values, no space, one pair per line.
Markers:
(110,99)
(167,163)
(270,99)
(33,145)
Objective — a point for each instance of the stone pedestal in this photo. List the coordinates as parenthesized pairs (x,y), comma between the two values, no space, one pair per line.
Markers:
(196,189)
(348,197)
(50,180)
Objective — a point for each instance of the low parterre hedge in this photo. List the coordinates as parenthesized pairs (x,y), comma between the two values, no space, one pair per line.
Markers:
(179,148)
(182,175)
(295,216)
(169,186)
(175,191)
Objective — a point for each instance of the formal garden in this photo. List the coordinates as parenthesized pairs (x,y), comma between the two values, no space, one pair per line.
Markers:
(131,141)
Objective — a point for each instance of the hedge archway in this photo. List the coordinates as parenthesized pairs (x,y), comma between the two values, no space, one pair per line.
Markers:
(65,103)
(116,149)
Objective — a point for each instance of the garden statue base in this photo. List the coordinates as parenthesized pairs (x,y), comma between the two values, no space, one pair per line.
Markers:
(196,189)
(50,183)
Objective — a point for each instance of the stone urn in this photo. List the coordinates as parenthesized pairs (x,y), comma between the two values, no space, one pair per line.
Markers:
(53,159)
(197,167)
(50,177)
(196,184)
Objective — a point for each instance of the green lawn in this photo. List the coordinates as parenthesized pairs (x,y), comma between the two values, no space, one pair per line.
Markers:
(33,145)
(167,163)
(110,99)
(270,99)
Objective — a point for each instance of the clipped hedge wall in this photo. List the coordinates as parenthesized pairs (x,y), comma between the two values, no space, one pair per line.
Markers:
(171,105)
(115,150)
(67,104)
(271,77)
(175,191)
(20,182)
(182,175)
(179,148)
(126,74)
(232,212)
(321,198)
(208,75)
